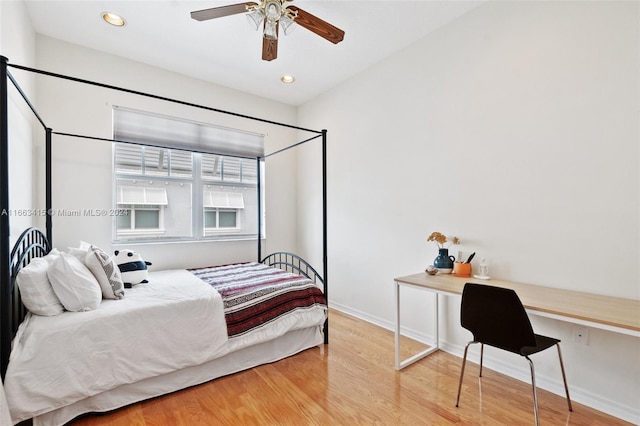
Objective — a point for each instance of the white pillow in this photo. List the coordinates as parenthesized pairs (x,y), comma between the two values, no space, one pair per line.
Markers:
(35,289)
(106,272)
(53,255)
(74,284)
(80,252)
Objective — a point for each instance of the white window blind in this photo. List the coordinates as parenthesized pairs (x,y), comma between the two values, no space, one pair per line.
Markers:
(152,161)
(223,200)
(181,163)
(169,132)
(156,161)
(129,158)
(142,196)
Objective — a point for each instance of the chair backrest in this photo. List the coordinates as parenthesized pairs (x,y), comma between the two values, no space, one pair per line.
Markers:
(496,317)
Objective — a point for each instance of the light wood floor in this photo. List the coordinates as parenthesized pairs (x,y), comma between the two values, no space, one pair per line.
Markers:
(352,381)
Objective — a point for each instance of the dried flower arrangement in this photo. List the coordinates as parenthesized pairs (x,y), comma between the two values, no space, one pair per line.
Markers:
(441,239)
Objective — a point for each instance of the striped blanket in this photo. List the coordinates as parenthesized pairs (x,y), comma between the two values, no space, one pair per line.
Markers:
(255,294)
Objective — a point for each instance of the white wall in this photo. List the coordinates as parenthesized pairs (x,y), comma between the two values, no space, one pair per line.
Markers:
(17,43)
(516,128)
(82,168)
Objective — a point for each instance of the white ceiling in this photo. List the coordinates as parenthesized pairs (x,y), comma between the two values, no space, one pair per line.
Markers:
(227,51)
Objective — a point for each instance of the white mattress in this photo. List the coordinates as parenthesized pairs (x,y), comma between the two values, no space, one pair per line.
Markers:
(146,344)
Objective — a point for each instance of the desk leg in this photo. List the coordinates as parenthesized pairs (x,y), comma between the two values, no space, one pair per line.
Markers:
(397,329)
(436,320)
(402,364)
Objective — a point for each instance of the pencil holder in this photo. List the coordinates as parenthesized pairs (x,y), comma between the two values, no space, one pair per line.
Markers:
(461,269)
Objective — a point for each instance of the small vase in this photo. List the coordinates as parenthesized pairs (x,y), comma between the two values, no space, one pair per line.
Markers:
(444,262)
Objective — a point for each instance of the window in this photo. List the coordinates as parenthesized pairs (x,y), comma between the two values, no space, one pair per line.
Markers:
(222,211)
(219,219)
(136,218)
(166,194)
(140,210)
(160,191)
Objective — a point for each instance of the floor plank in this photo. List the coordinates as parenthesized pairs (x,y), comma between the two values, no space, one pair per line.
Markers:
(352,381)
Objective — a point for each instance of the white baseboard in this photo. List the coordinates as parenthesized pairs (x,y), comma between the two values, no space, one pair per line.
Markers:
(582,396)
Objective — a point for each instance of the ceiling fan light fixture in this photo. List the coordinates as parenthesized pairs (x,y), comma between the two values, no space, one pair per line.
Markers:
(113,19)
(287,24)
(273,10)
(255,18)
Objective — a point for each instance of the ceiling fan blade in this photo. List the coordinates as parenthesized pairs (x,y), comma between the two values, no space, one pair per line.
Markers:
(270,47)
(219,12)
(316,25)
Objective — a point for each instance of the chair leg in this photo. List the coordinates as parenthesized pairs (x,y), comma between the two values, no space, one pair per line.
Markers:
(535,394)
(481,357)
(464,362)
(564,378)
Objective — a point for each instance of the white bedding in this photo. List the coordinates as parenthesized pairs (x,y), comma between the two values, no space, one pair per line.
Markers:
(170,323)
(127,349)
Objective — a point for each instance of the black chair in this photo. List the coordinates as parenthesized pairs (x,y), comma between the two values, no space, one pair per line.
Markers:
(495,316)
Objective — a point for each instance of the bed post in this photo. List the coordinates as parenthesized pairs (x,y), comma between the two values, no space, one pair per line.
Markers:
(259,211)
(5,269)
(325,256)
(48,193)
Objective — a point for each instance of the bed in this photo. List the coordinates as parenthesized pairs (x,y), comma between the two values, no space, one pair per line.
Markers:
(182,328)
(144,345)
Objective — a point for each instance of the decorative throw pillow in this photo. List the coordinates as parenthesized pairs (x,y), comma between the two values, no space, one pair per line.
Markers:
(74,284)
(132,268)
(106,272)
(36,291)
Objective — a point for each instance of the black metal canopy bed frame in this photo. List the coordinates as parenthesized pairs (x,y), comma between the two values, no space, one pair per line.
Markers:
(33,243)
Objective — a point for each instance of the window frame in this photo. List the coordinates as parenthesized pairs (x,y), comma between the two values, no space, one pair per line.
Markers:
(212,231)
(133,230)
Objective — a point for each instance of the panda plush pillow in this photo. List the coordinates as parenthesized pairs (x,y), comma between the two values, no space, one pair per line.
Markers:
(132,268)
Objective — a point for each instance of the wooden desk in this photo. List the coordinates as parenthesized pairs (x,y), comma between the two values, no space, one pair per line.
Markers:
(592,310)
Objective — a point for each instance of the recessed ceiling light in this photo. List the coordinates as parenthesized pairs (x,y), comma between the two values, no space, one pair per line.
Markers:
(113,19)
(287,79)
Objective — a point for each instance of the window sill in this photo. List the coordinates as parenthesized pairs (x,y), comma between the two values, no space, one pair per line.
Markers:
(141,232)
(214,232)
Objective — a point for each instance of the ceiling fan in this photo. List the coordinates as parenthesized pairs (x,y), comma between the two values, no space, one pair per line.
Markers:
(273,14)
